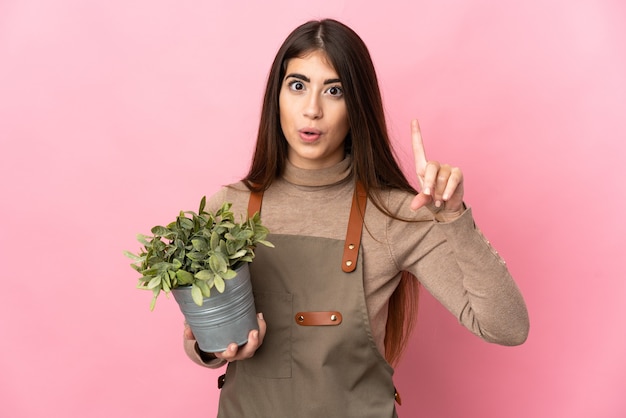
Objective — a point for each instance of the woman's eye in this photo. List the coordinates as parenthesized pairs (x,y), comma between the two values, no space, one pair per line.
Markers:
(296,85)
(335,91)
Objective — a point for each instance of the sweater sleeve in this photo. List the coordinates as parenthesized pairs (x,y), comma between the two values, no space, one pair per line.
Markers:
(192,351)
(459,267)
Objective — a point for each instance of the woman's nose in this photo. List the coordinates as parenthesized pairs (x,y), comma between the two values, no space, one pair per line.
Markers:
(313,108)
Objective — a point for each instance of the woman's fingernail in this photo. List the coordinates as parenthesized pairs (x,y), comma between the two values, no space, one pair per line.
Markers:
(260,315)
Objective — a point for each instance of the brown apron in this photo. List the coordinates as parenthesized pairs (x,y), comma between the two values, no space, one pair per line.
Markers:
(318,358)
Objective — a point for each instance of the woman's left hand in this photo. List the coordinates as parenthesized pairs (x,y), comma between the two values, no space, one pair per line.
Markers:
(441,184)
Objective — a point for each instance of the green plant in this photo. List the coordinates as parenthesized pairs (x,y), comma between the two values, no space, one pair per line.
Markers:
(201,250)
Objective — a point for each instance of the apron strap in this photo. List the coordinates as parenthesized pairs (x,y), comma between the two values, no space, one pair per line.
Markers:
(355,224)
(254,203)
(355,227)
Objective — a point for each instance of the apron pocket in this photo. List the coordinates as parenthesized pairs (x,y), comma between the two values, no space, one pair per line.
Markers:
(273,359)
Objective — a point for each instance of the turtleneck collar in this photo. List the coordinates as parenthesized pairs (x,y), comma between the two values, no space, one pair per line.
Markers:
(320,177)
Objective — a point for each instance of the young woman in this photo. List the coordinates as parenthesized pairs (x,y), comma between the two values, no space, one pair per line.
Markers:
(337,294)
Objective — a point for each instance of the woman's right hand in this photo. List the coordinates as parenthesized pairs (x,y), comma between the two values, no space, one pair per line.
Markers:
(233,352)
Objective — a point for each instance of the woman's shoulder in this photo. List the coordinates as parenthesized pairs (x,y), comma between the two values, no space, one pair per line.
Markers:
(236,193)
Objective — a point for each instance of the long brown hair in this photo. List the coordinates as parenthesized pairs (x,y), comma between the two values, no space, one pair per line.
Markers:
(373,161)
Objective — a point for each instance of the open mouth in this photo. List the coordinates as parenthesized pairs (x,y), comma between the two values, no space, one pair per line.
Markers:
(309,135)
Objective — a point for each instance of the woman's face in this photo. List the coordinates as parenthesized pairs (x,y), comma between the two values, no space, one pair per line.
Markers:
(313,113)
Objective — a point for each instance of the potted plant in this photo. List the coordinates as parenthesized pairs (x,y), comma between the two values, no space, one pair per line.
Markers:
(202,258)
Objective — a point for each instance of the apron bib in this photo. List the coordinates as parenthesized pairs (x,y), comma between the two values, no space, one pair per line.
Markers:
(318,358)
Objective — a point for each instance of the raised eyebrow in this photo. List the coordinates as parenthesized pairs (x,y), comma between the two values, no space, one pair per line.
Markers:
(308,80)
(298,76)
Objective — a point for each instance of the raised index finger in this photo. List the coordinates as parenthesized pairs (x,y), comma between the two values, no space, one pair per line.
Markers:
(418,148)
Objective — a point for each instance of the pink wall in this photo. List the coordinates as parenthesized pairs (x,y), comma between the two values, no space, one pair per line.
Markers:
(115,115)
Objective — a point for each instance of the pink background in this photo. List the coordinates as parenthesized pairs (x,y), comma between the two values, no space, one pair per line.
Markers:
(116,115)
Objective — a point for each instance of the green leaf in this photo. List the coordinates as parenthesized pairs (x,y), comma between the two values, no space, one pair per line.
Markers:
(184,277)
(196,294)
(142,239)
(223,248)
(244,235)
(218,263)
(161,267)
(205,288)
(157,245)
(202,204)
(215,240)
(233,247)
(200,244)
(219,284)
(224,211)
(160,231)
(204,275)
(238,254)
(195,256)
(154,283)
(185,223)
(132,256)
(230,274)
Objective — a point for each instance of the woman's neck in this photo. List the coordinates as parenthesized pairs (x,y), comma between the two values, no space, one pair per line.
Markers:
(318,177)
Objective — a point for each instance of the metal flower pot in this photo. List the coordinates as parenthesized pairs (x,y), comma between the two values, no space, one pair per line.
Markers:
(223,318)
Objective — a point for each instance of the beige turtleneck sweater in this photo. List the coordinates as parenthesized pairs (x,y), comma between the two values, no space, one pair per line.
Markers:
(452,260)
